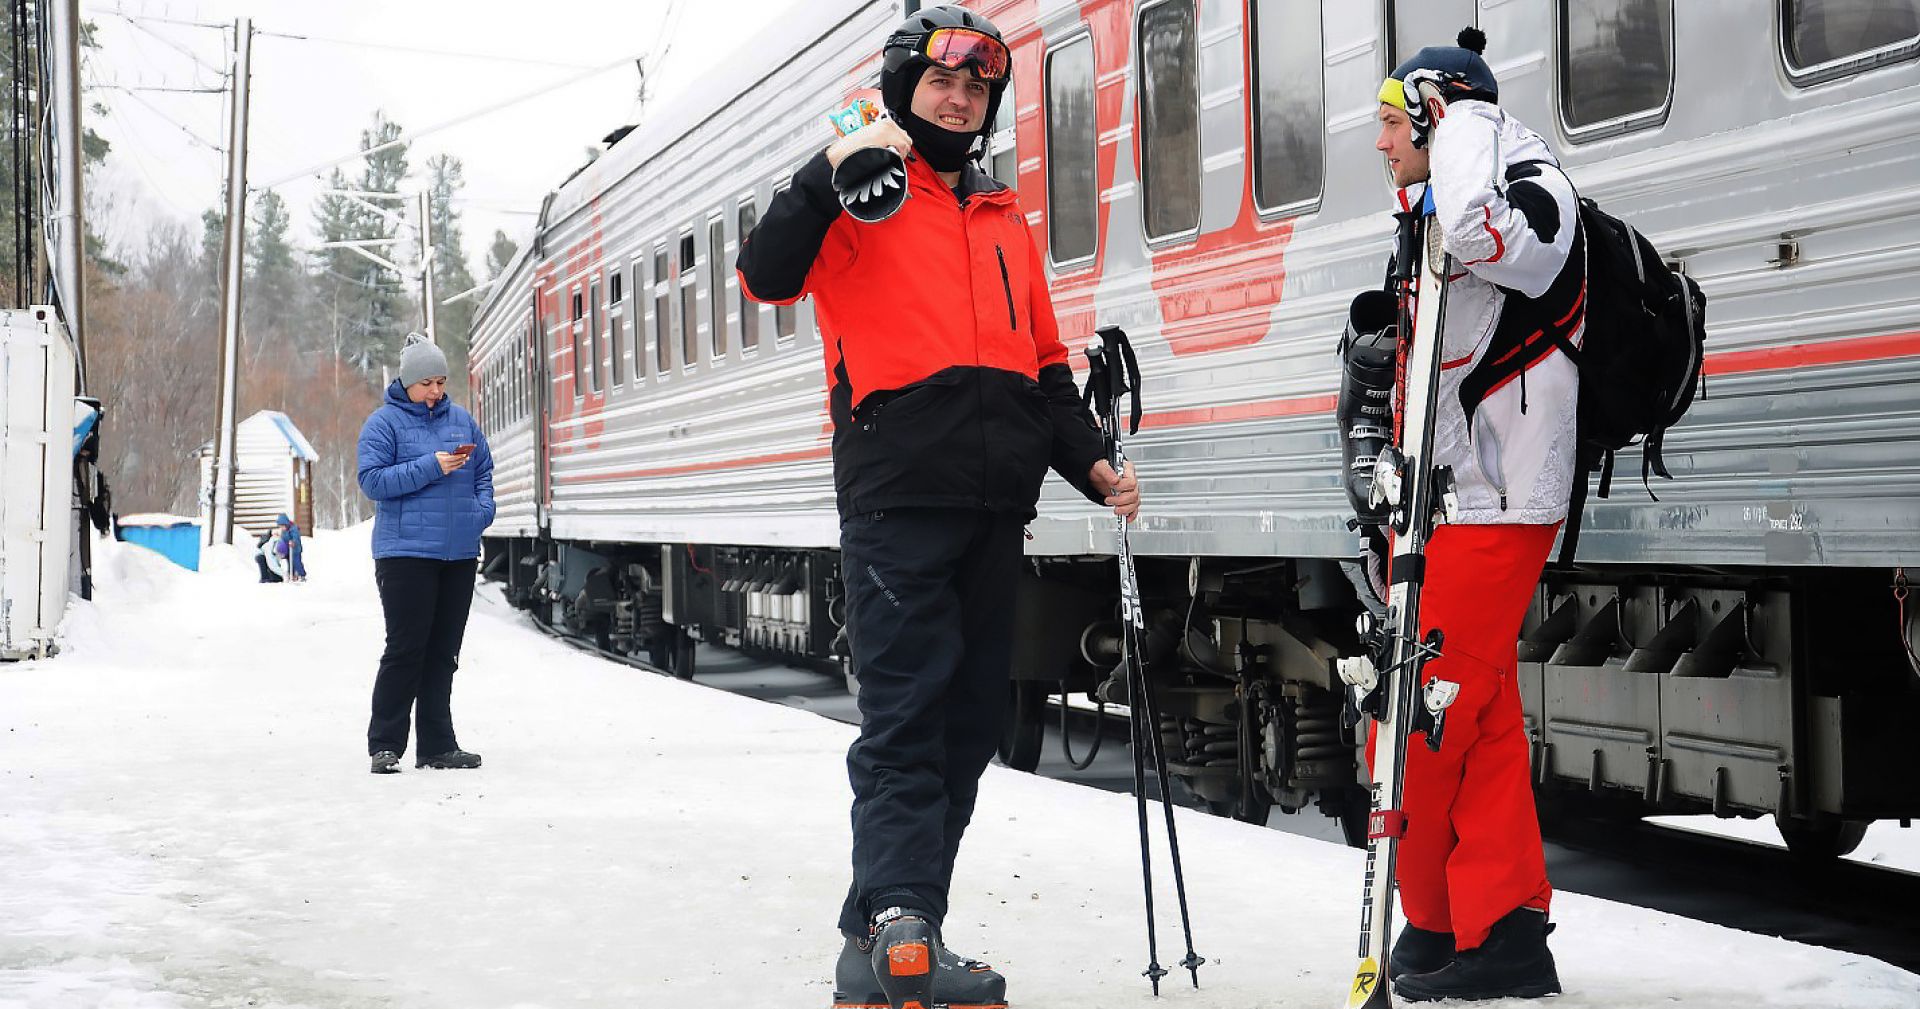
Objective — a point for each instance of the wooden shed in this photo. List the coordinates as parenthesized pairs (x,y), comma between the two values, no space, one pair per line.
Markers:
(274,474)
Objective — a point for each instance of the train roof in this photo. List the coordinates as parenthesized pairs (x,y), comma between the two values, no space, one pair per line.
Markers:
(792,36)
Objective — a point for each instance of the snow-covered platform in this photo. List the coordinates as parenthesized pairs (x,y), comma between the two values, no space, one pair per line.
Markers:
(186,819)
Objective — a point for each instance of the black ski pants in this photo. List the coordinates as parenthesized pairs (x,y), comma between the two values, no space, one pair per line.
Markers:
(930,621)
(426,603)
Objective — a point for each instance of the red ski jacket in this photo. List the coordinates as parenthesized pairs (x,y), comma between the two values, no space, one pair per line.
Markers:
(947,381)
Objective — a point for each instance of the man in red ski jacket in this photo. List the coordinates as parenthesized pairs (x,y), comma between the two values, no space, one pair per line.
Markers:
(951,396)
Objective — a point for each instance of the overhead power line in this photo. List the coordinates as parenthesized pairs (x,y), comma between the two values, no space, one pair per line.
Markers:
(409,138)
(154,87)
(133,22)
(197,138)
(156,19)
(423,50)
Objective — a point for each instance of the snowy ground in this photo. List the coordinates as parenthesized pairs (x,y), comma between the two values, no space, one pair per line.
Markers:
(186,819)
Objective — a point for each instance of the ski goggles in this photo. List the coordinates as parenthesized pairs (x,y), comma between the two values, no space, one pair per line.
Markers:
(953,48)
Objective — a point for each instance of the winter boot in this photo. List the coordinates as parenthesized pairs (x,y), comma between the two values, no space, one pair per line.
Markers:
(1514,962)
(386,762)
(450,760)
(1418,951)
(878,972)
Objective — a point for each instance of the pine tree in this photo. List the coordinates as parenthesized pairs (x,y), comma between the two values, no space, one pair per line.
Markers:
(366,305)
(452,321)
(22,125)
(274,314)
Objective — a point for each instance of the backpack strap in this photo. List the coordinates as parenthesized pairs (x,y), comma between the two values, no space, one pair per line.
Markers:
(1577,505)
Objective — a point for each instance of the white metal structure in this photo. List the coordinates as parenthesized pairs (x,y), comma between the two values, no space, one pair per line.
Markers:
(36,480)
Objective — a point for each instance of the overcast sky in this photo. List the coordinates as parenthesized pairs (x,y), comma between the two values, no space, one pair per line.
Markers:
(312,98)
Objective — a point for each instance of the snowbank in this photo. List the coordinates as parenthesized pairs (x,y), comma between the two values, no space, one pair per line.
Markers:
(186,819)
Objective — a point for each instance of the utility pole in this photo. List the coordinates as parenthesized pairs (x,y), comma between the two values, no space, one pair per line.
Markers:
(425,210)
(232,266)
(66,227)
(422,225)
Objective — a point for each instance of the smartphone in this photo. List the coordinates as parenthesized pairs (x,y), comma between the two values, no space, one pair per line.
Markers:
(464,450)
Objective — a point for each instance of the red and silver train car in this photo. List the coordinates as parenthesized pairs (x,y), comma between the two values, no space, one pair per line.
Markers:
(1202,173)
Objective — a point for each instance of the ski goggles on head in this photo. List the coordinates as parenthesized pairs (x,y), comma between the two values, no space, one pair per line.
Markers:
(953,48)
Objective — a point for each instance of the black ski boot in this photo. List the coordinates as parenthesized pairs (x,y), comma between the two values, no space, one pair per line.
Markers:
(386,762)
(1365,407)
(459,760)
(1418,951)
(1514,962)
(904,965)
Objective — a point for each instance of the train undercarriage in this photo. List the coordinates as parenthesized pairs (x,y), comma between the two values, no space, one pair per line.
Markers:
(1736,693)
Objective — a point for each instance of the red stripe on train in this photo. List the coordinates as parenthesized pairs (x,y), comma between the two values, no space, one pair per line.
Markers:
(1805,355)
(1809,355)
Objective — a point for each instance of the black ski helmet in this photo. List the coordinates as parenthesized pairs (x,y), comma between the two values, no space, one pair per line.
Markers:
(902,64)
(1464,74)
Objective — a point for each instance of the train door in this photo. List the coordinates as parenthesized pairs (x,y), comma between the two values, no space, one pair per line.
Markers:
(542,461)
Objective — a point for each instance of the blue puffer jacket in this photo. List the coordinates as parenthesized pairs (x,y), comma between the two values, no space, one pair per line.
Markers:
(420,512)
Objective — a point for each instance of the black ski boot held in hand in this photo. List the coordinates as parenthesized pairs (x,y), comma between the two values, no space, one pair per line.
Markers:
(1514,962)
(902,964)
(1365,407)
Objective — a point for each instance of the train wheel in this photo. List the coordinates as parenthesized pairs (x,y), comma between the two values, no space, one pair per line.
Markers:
(1824,838)
(683,652)
(1024,729)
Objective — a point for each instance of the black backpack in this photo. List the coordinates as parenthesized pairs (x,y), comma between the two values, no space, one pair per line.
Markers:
(1639,360)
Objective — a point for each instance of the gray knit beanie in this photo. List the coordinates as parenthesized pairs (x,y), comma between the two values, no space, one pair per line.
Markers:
(421,360)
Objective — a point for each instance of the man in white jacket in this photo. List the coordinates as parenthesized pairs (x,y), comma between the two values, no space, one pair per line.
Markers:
(1472,874)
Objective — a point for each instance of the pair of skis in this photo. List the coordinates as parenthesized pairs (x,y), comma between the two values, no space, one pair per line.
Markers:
(1384,683)
(1113,376)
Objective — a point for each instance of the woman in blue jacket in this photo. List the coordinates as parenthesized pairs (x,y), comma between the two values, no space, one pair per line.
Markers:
(427,468)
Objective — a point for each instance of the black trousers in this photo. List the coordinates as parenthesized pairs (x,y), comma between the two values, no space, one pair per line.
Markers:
(930,622)
(426,603)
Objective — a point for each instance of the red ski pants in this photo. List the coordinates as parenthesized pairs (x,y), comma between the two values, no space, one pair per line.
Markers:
(1472,851)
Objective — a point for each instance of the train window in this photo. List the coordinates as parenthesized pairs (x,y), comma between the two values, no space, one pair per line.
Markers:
(1415,25)
(1169,120)
(717,284)
(579,331)
(596,340)
(616,325)
(786,319)
(1003,158)
(1825,39)
(662,301)
(1289,99)
(689,304)
(637,317)
(1073,222)
(1616,64)
(749,309)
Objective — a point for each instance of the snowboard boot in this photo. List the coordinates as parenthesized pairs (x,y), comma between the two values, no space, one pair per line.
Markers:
(1418,951)
(903,965)
(1514,962)
(450,760)
(386,762)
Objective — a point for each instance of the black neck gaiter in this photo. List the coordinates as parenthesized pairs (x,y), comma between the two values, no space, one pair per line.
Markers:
(943,148)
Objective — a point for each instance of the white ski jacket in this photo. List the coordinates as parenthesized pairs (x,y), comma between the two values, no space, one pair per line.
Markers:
(1507,399)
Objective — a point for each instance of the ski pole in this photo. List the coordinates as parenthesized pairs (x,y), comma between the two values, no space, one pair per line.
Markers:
(1114,374)
(1100,391)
